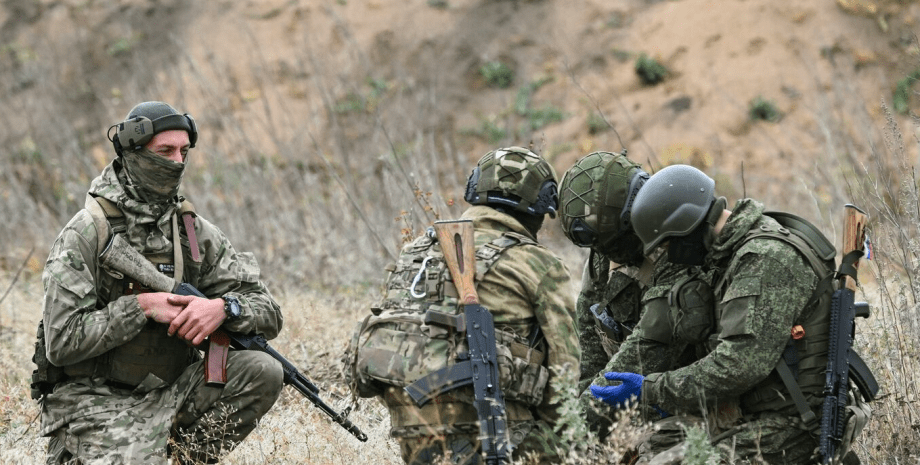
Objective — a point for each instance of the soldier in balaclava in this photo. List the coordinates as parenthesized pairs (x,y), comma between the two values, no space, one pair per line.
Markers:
(119,378)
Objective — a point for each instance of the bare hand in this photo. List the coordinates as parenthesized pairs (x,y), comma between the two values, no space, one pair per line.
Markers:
(199,318)
(157,307)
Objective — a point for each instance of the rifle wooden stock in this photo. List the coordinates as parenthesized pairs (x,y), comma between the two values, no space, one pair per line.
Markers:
(459,247)
(854,237)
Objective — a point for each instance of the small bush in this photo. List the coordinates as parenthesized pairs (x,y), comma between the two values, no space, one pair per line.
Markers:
(763,109)
(901,99)
(544,117)
(497,74)
(597,124)
(649,70)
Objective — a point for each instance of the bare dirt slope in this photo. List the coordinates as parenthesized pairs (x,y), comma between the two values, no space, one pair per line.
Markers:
(352,80)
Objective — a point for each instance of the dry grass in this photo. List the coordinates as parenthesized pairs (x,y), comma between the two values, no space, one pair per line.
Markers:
(334,172)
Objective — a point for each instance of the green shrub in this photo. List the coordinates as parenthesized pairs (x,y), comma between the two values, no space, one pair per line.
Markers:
(649,70)
(497,74)
(596,124)
(544,116)
(763,109)
(901,98)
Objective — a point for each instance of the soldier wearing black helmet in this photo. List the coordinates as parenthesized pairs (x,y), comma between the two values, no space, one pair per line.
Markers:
(758,385)
(412,332)
(117,373)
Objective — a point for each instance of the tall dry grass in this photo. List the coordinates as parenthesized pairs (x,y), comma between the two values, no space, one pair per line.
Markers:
(322,175)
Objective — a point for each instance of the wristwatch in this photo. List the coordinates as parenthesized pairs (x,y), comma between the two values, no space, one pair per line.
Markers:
(232,307)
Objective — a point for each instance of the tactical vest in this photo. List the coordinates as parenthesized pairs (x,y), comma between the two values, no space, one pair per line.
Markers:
(798,379)
(150,352)
(417,328)
(615,327)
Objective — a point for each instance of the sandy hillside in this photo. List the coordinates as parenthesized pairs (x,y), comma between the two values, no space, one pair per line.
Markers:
(347,78)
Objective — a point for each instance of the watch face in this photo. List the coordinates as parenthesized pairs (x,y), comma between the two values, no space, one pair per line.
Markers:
(232,308)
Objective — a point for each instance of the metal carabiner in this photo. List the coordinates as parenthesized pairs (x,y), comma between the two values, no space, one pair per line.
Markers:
(417,278)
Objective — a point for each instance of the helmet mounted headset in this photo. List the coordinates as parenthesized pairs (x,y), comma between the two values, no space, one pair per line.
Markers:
(146,120)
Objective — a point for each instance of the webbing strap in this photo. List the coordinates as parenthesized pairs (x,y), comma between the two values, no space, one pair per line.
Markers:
(808,417)
(179,265)
(187,211)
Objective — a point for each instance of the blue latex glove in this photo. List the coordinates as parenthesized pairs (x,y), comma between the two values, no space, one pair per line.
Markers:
(618,396)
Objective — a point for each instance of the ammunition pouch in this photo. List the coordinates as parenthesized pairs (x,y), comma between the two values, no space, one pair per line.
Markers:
(45,375)
(152,351)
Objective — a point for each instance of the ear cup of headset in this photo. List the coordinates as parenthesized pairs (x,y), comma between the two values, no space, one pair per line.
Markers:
(134,132)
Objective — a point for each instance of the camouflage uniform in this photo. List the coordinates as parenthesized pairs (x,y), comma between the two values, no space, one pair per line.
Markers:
(761,288)
(528,287)
(619,291)
(88,316)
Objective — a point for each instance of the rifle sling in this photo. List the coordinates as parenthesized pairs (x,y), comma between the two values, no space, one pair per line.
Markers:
(808,417)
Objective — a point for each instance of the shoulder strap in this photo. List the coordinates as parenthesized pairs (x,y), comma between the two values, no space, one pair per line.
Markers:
(188,215)
(488,253)
(107,218)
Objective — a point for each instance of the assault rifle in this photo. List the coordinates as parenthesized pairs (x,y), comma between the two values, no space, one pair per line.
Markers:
(843,363)
(479,366)
(120,257)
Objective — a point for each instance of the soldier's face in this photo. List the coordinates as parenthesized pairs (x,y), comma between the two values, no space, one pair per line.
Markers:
(172,145)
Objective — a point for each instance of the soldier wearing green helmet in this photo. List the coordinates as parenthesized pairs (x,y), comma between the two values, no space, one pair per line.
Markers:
(595,198)
(412,332)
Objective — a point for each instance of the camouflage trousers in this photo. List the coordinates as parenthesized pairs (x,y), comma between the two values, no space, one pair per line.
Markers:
(446,430)
(768,439)
(193,421)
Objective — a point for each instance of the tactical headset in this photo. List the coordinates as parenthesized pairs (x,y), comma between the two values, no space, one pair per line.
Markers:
(137,131)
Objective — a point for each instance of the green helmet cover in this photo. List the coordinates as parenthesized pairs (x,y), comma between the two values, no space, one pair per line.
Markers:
(514,177)
(595,196)
(672,203)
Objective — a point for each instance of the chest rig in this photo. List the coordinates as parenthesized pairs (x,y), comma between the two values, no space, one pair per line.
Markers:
(152,351)
(799,376)
(418,326)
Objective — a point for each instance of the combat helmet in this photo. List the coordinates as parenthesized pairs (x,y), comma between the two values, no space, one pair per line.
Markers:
(673,203)
(146,120)
(595,198)
(514,177)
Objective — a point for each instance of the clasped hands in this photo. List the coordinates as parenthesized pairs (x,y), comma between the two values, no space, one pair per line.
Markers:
(630,388)
(189,317)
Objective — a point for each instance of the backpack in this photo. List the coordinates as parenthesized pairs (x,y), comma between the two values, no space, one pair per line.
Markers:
(418,328)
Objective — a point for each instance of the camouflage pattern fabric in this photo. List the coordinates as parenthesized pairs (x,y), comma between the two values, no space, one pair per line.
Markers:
(768,441)
(197,422)
(761,288)
(85,314)
(639,353)
(620,293)
(528,286)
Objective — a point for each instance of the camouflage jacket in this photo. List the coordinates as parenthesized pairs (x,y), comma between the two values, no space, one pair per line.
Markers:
(619,291)
(640,353)
(85,314)
(528,286)
(761,287)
